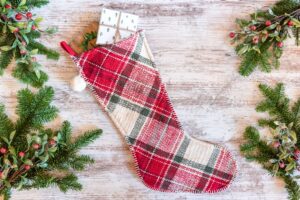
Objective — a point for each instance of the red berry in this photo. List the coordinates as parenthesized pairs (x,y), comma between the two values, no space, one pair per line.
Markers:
(24,43)
(52,142)
(18,16)
(276,144)
(297,153)
(23,52)
(29,15)
(280,44)
(27,167)
(36,146)
(3,150)
(253,28)
(290,23)
(281,165)
(33,27)
(268,23)
(7,6)
(1,174)
(232,35)
(255,40)
(21,154)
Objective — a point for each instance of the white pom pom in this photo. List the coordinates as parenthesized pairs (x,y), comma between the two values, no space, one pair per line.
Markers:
(78,84)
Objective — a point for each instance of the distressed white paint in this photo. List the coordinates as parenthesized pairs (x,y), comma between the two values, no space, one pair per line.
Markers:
(192,51)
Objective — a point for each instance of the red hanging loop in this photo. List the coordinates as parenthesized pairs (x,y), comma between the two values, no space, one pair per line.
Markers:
(68,49)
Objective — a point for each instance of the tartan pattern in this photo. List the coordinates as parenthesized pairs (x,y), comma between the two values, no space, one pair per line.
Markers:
(127,84)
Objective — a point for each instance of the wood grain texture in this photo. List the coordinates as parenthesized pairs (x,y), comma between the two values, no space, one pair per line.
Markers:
(197,63)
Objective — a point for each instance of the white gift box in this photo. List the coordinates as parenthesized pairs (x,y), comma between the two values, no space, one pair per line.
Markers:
(115,26)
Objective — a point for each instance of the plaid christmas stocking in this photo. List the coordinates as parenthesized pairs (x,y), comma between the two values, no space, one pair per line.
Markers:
(127,84)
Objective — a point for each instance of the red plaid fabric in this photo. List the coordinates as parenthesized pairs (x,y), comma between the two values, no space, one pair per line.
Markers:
(127,84)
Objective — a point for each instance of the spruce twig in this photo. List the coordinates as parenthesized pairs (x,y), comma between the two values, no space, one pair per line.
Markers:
(19,29)
(280,155)
(260,40)
(32,156)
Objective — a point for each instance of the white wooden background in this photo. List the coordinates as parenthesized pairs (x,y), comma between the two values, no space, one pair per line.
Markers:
(198,64)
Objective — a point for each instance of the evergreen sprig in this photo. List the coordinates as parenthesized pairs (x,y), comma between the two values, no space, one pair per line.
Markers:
(32,156)
(19,30)
(279,154)
(87,39)
(260,39)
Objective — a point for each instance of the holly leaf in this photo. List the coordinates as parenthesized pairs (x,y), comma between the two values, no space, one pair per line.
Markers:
(12,135)
(12,28)
(243,50)
(5,140)
(3,2)
(28,162)
(6,48)
(34,52)
(289,167)
(22,3)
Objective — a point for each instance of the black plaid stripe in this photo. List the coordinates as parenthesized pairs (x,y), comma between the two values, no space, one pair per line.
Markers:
(175,165)
(136,55)
(143,112)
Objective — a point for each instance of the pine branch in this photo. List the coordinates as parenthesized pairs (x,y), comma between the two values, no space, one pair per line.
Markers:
(276,103)
(79,162)
(267,123)
(285,6)
(34,111)
(65,132)
(292,187)
(6,125)
(249,63)
(6,194)
(85,139)
(260,40)
(36,3)
(69,182)
(88,37)
(5,59)
(18,41)
(23,73)
(296,33)
(37,157)
(43,50)
(253,58)
(34,35)
(280,154)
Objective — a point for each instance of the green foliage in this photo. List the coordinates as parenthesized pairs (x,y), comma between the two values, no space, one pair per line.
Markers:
(292,188)
(17,41)
(43,50)
(285,6)
(5,59)
(88,38)
(36,157)
(280,154)
(28,76)
(36,3)
(260,39)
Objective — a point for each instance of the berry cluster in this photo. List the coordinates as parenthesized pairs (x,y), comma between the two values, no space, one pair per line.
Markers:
(263,35)
(284,143)
(19,31)
(36,155)
(259,41)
